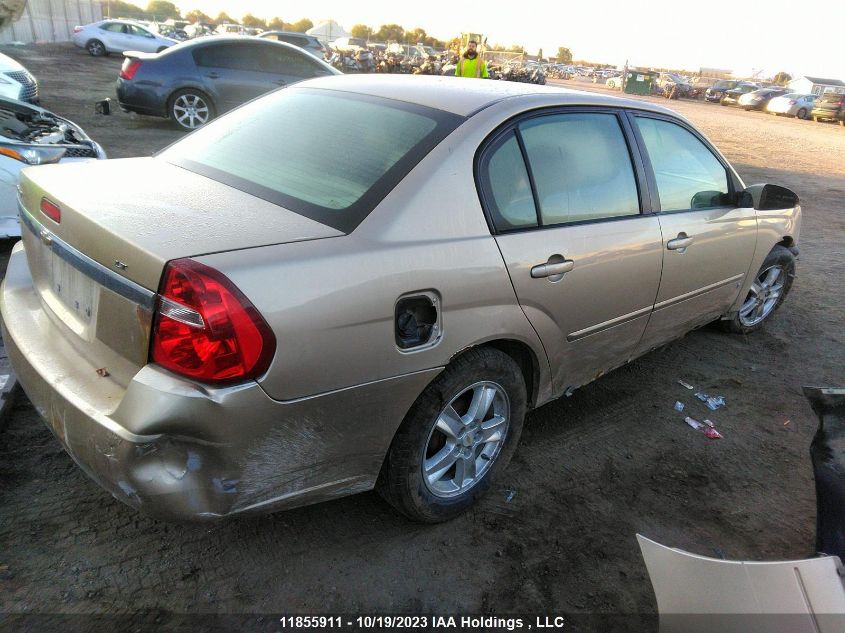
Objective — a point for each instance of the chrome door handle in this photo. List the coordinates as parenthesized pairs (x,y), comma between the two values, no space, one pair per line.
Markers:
(679,243)
(212,75)
(552,269)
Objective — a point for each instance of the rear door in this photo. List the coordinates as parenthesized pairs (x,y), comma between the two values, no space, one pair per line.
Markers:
(233,72)
(708,241)
(561,193)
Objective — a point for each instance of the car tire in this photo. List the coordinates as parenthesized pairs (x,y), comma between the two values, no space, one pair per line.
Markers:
(774,278)
(179,109)
(96,48)
(455,444)
(802,113)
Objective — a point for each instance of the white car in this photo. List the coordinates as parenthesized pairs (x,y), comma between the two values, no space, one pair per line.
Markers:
(116,36)
(30,135)
(792,104)
(614,82)
(16,82)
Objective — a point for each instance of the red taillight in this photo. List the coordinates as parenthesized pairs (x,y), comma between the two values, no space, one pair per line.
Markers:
(206,329)
(77,29)
(129,68)
(51,210)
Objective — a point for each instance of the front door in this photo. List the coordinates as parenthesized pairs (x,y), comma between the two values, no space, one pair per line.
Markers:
(561,192)
(708,242)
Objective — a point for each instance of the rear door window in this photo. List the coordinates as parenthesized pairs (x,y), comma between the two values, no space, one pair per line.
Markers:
(581,167)
(240,56)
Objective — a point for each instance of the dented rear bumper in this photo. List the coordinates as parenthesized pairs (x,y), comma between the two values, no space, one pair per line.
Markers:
(177,449)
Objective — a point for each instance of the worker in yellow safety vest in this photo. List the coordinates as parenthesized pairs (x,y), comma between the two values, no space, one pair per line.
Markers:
(470,64)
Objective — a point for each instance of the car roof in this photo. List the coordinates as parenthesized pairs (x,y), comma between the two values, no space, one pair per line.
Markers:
(463,96)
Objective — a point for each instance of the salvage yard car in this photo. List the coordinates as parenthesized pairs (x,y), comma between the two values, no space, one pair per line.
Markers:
(116,36)
(195,81)
(30,135)
(829,107)
(792,104)
(236,325)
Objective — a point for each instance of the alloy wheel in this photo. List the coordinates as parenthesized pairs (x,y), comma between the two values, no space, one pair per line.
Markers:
(191,111)
(466,439)
(763,296)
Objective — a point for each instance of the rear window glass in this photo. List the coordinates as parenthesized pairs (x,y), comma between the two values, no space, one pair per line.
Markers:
(831,97)
(330,156)
(724,84)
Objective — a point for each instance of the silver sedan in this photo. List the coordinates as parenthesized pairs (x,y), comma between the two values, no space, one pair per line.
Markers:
(116,36)
(248,321)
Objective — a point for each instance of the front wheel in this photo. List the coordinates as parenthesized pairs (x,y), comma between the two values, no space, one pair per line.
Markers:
(456,439)
(802,113)
(770,287)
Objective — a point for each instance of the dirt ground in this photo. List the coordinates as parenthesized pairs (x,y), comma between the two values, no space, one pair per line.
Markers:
(557,536)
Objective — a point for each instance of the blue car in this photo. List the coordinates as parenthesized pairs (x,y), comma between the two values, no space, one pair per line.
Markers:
(193,82)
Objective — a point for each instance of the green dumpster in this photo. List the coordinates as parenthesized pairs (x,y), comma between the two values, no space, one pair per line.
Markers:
(640,82)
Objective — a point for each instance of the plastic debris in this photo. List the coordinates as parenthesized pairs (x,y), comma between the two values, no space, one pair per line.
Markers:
(786,423)
(103,372)
(679,406)
(694,423)
(712,433)
(685,385)
(702,396)
(715,402)
(510,495)
(4,378)
(710,424)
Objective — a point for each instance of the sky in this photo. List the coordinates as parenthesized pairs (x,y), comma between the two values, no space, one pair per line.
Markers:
(737,35)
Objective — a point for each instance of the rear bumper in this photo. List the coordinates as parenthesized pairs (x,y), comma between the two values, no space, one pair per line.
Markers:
(135,97)
(828,115)
(177,449)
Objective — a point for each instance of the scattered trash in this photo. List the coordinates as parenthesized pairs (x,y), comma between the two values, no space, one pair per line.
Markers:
(737,381)
(707,427)
(103,372)
(712,402)
(715,402)
(679,406)
(686,385)
(694,423)
(4,378)
(510,495)
(786,423)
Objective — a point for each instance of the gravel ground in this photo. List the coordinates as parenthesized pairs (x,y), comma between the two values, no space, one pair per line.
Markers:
(557,536)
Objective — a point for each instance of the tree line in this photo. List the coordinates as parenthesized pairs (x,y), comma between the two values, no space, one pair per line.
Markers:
(163,10)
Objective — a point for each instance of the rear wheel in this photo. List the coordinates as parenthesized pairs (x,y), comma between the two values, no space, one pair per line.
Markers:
(96,48)
(456,439)
(190,109)
(770,287)
(802,113)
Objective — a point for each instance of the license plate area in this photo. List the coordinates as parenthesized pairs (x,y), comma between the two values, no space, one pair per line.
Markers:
(70,294)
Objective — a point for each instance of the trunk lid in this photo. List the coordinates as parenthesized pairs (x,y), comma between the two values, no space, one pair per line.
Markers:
(98,269)
(143,212)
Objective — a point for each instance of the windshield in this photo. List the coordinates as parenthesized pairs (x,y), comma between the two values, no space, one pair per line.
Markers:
(725,84)
(330,156)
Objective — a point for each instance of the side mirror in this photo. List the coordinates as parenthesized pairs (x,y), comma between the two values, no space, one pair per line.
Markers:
(768,198)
